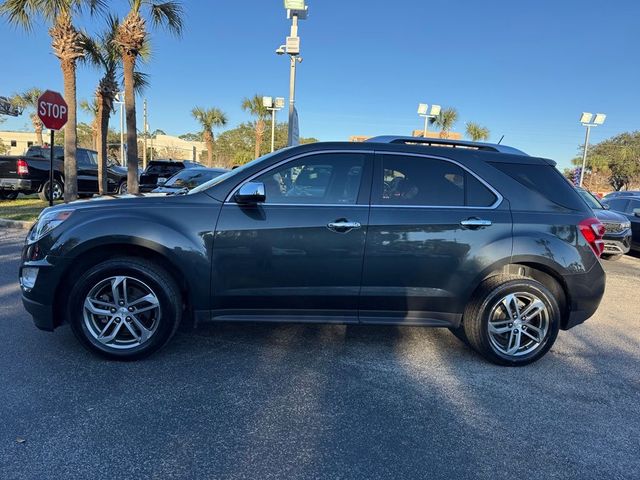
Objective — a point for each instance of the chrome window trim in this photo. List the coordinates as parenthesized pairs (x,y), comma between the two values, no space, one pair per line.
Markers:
(291,159)
(496,204)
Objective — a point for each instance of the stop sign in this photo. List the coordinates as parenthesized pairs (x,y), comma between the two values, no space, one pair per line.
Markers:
(52,110)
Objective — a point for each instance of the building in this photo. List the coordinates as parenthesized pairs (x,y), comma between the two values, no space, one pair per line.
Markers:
(18,142)
(164,146)
(415,133)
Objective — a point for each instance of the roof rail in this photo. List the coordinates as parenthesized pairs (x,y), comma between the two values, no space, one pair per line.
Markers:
(445,142)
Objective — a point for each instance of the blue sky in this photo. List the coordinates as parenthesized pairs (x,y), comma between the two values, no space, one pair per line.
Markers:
(525,69)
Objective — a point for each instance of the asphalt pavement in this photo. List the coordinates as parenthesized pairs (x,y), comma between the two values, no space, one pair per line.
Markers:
(320,402)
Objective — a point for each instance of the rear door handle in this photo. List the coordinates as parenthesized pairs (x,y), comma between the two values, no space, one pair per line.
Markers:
(343,226)
(475,223)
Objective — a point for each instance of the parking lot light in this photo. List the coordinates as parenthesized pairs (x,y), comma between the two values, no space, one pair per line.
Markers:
(589,120)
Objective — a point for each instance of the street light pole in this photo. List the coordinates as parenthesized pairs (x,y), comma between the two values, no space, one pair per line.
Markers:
(589,120)
(424,111)
(273,106)
(296,10)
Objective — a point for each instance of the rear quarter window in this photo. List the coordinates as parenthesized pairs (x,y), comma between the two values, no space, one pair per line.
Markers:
(544,179)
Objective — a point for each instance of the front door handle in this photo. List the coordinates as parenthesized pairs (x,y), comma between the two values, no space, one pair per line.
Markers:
(475,223)
(342,226)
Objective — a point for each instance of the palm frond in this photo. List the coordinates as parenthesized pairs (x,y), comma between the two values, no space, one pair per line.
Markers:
(168,15)
(140,81)
(20,13)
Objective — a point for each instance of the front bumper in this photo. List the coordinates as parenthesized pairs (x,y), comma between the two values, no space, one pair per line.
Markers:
(617,244)
(39,300)
(15,184)
(585,293)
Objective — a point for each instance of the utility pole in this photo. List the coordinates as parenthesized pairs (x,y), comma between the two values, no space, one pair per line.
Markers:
(144,141)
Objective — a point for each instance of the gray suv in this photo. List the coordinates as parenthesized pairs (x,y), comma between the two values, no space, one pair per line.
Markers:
(482,239)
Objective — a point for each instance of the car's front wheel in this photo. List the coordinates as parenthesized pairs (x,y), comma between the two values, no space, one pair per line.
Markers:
(512,320)
(122,188)
(125,308)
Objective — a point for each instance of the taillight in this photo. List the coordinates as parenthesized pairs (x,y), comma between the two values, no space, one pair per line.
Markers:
(23,167)
(593,231)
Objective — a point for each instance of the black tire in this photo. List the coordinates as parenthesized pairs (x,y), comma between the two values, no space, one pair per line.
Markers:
(612,258)
(85,195)
(58,191)
(162,285)
(5,195)
(122,188)
(487,298)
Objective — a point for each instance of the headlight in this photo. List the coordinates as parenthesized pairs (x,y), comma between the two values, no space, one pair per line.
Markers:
(626,225)
(46,222)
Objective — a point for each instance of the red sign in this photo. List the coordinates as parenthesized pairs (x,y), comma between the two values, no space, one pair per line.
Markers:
(52,110)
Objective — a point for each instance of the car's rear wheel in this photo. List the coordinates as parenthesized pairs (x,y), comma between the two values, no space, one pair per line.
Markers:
(512,320)
(125,308)
(58,191)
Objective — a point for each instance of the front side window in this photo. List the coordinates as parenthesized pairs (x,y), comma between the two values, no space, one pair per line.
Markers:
(316,179)
(633,205)
(418,181)
(617,204)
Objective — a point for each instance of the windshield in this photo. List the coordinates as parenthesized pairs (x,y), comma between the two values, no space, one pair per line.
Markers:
(590,199)
(192,177)
(231,173)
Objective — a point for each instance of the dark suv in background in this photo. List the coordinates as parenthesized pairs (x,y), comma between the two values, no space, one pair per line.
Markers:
(629,206)
(483,239)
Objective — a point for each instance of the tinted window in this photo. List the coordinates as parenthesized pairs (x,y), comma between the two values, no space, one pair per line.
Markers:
(546,180)
(319,179)
(429,182)
(191,178)
(617,204)
(167,169)
(590,199)
(633,204)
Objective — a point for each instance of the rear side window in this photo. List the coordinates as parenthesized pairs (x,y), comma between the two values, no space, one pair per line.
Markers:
(617,204)
(429,182)
(167,169)
(545,180)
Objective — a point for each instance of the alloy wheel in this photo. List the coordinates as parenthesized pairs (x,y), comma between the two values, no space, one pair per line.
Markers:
(518,324)
(121,312)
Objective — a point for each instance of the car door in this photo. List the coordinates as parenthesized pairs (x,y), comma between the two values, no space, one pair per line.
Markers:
(87,171)
(433,227)
(297,255)
(635,222)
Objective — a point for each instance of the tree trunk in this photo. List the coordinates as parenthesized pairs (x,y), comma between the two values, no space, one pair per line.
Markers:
(259,134)
(103,129)
(70,132)
(37,128)
(208,140)
(128,62)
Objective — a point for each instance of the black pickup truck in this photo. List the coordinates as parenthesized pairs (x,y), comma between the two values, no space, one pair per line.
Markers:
(29,174)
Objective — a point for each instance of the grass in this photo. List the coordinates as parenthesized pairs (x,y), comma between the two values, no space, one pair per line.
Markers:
(23,208)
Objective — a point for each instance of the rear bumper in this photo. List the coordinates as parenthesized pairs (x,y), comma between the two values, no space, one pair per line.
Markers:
(16,184)
(585,293)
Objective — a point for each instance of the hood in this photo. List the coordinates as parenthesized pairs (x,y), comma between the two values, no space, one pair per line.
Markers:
(117,201)
(609,216)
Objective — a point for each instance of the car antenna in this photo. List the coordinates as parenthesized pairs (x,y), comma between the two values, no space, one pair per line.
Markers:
(500,141)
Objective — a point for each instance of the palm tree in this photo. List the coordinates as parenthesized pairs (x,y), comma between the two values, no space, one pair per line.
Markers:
(131,39)
(67,44)
(446,120)
(477,132)
(209,118)
(104,54)
(29,99)
(93,109)
(256,108)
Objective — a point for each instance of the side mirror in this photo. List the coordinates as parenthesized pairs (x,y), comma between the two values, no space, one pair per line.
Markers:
(605,206)
(250,192)
(636,212)
(162,181)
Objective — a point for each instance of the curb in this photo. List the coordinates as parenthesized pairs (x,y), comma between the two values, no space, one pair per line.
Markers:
(15,224)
